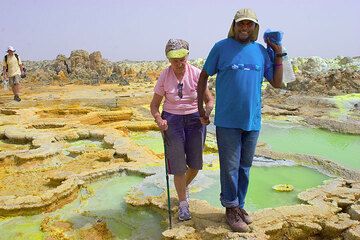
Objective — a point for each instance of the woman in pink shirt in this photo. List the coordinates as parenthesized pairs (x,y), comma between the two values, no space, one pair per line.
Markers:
(183,129)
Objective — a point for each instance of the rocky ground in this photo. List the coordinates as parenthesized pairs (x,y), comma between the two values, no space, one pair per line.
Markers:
(328,212)
(85,97)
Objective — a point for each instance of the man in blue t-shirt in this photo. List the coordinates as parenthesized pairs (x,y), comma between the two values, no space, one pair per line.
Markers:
(240,64)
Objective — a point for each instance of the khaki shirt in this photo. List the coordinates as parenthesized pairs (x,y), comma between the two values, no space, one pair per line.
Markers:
(13,65)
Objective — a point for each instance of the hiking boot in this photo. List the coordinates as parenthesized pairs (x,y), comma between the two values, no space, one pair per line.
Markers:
(244,215)
(235,221)
(184,212)
(17,98)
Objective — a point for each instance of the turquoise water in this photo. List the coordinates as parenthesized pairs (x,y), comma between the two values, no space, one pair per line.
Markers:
(286,137)
(151,139)
(281,137)
(340,148)
(104,199)
(100,200)
(262,179)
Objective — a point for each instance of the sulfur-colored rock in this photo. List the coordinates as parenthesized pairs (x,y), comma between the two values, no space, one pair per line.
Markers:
(139,126)
(113,116)
(353,233)
(182,232)
(354,212)
(17,135)
(337,224)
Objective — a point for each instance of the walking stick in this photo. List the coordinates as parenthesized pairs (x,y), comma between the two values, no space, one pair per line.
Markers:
(167,180)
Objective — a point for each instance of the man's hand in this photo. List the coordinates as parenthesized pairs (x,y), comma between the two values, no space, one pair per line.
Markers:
(208,109)
(205,120)
(205,115)
(162,123)
(276,48)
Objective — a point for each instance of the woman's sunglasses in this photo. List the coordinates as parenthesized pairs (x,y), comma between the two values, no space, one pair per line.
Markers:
(180,88)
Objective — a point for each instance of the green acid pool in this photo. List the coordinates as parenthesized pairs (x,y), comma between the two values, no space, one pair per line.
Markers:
(285,137)
(153,140)
(100,200)
(150,139)
(262,179)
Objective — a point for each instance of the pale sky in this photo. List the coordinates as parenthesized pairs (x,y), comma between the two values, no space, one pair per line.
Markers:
(139,29)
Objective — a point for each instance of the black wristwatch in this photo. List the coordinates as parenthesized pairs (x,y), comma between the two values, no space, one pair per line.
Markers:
(281,54)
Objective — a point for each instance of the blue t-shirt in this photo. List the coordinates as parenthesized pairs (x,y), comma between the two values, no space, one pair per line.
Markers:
(240,69)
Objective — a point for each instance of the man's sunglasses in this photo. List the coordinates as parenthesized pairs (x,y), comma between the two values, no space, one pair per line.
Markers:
(180,88)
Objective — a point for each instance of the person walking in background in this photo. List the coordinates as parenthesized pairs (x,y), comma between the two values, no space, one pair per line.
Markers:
(240,64)
(180,121)
(13,70)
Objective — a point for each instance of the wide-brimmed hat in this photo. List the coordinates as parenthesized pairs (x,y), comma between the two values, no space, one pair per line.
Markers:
(11,48)
(245,14)
(176,48)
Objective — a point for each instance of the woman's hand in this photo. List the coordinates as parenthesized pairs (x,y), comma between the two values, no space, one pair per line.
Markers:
(162,123)
(154,108)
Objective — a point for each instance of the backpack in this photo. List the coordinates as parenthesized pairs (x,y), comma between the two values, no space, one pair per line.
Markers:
(5,58)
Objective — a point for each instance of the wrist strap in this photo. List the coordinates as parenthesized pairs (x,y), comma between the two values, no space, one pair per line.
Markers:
(281,54)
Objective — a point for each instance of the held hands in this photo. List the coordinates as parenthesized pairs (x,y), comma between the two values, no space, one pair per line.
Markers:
(205,115)
(276,48)
(205,120)
(162,123)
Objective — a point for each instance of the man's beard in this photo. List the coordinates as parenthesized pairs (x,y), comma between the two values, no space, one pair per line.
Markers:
(243,37)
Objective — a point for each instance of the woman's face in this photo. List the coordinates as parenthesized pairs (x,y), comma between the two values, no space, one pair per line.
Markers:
(178,64)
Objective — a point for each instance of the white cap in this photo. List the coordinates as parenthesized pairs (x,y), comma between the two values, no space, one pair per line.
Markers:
(11,48)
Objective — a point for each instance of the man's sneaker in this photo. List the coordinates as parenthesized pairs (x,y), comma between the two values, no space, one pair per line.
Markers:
(244,215)
(17,98)
(184,212)
(187,194)
(235,221)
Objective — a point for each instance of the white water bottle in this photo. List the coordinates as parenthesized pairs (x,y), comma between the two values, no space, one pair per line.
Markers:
(288,71)
(6,84)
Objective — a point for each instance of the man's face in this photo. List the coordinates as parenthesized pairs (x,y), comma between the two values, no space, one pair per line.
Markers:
(10,52)
(243,30)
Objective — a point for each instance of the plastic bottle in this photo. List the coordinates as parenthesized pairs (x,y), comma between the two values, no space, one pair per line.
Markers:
(288,71)
(6,85)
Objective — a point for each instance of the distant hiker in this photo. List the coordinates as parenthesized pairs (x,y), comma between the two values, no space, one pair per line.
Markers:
(184,133)
(14,70)
(240,64)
